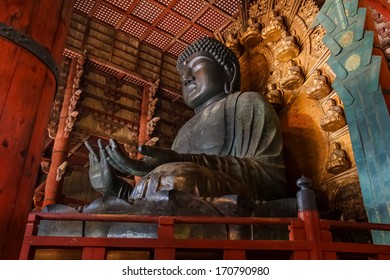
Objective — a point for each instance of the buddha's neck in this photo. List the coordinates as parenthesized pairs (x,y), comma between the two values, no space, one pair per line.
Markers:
(209,102)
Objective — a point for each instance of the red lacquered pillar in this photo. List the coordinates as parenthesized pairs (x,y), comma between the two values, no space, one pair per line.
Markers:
(32,39)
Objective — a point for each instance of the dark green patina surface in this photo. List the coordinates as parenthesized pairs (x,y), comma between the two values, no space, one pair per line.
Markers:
(357,84)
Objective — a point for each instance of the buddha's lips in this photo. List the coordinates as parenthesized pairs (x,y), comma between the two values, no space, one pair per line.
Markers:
(191,88)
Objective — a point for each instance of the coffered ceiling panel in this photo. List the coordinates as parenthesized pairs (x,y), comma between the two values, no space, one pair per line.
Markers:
(171,24)
(107,15)
(133,28)
(188,8)
(147,10)
(84,6)
(167,25)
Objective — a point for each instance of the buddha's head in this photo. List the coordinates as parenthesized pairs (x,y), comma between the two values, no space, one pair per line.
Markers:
(335,146)
(270,86)
(209,71)
(331,102)
(251,21)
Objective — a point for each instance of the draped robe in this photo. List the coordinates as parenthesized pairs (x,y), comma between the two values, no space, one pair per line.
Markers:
(236,143)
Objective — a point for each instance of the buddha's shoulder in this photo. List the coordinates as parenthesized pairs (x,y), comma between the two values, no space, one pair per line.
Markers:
(251,97)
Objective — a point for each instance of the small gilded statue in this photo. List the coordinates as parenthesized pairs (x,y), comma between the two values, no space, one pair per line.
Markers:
(334,118)
(275,28)
(338,160)
(286,49)
(294,78)
(319,88)
(233,44)
(252,35)
(274,97)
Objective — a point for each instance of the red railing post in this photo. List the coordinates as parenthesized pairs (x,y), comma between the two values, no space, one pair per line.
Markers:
(307,212)
(236,254)
(165,231)
(27,252)
(310,237)
(297,232)
(94,253)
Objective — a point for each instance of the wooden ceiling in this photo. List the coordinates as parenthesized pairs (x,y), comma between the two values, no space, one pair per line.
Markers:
(167,25)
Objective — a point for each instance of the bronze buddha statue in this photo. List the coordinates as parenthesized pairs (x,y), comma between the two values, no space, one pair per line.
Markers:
(232,145)
(224,161)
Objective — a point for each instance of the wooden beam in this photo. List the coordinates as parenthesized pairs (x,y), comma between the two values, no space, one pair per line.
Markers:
(384,78)
(382,6)
(126,72)
(97,111)
(78,145)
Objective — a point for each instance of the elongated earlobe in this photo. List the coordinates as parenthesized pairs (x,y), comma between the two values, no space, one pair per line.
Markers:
(228,88)
(231,72)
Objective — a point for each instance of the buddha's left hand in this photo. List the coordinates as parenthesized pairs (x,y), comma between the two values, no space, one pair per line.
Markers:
(154,156)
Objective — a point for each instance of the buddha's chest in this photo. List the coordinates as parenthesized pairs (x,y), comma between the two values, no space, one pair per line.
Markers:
(204,133)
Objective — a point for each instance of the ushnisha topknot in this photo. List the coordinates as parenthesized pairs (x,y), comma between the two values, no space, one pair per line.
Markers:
(218,50)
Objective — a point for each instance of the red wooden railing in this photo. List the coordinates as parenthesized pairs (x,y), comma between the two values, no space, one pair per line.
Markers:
(309,237)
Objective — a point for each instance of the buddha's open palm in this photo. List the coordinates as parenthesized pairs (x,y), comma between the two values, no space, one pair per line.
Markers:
(101,173)
(154,157)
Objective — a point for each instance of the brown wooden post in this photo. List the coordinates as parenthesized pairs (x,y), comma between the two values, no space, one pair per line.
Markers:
(61,143)
(382,6)
(30,49)
(143,121)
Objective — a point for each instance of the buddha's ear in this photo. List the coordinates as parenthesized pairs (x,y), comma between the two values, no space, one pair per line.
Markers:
(231,76)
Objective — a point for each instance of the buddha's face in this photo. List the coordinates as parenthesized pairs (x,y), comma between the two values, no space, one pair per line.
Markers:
(331,102)
(202,79)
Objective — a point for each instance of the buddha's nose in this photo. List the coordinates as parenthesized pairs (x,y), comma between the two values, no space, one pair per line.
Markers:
(187,77)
